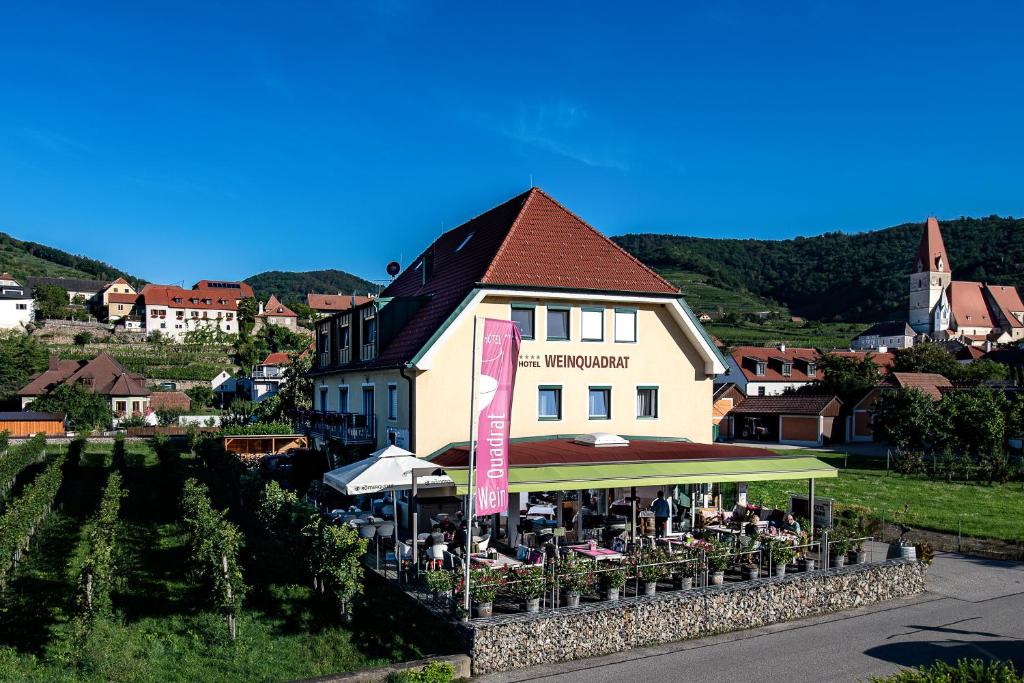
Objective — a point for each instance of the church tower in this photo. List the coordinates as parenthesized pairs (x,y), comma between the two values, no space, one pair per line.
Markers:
(929,280)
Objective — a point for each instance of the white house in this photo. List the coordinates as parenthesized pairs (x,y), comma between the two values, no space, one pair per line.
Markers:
(173,311)
(770,371)
(16,305)
(894,334)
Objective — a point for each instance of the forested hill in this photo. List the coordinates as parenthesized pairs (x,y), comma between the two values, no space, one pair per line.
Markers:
(30,259)
(291,287)
(859,277)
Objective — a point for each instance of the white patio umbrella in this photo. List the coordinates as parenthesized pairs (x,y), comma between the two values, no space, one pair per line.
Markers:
(389,468)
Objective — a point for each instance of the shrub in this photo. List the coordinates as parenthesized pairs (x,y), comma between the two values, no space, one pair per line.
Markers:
(24,514)
(925,553)
(779,551)
(434,672)
(484,584)
(717,555)
(964,671)
(17,459)
(612,578)
(650,565)
(527,582)
(82,338)
(439,581)
(574,575)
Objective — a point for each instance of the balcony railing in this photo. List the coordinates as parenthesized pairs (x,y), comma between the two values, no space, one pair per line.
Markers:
(368,351)
(267,373)
(348,428)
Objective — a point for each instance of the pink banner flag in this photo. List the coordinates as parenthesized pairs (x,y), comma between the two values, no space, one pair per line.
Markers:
(499,358)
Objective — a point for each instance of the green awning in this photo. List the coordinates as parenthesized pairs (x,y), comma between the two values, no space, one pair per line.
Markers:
(656,473)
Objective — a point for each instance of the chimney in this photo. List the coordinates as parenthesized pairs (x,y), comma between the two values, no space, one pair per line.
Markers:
(782,347)
(53,362)
(261,308)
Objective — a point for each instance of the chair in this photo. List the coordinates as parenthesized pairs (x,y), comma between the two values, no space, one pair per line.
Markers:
(367,531)
(452,561)
(435,555)
(386,529)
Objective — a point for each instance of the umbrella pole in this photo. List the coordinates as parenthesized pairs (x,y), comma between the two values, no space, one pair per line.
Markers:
(472,473)
(414,515)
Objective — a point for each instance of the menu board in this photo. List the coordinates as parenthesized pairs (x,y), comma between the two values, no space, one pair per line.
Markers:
(822,510)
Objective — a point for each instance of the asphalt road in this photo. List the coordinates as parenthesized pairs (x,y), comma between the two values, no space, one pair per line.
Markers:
(971,608)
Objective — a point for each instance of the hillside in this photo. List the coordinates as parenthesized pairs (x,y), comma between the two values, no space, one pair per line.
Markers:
(292,287)
(24,259)
(834,276)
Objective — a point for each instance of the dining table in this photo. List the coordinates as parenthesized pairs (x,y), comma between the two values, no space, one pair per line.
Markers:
(595,554)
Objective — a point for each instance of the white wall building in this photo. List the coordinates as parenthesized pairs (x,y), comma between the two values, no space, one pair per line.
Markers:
(16,305)
(173,311)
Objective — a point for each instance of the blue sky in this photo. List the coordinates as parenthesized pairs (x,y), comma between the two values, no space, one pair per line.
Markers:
(219,139)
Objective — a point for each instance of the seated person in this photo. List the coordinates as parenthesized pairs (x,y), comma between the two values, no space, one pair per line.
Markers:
(436,536)
(751,528)
(457,544)
(790,525)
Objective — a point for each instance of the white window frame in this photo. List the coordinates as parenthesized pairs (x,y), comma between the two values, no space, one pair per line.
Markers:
(592,310)
(650,386)
(615,325)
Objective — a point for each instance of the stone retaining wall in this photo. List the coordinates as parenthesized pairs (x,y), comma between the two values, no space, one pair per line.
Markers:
(516,641)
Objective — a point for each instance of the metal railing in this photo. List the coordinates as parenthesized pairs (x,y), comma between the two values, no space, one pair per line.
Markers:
(348,428)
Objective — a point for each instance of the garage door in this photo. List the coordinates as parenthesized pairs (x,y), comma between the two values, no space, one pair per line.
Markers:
(799,428)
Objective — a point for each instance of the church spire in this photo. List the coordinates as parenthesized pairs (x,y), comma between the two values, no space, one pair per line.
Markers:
(931,254)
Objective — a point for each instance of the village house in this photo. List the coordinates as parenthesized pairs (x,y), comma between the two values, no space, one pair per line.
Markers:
(266,378)
(608,345)
(860,421)
(726,397)
(232,290)
(119,300)
(80,290)
(276,313)
(172,311)
(944,308)
(17,307)
(893,334)
(103,375)
(799,420)
(771,370)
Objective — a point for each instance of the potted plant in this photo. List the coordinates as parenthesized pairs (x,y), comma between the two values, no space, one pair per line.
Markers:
(717,560)
(839,545)
(684,571)
(780,554)
(749,568)
(440,582)
(902,549)
(528,583)
(483,588)
(574,577)
(611,581)
(650,567)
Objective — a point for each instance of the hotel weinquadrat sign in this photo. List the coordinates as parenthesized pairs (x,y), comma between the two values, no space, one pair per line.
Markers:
(573,361)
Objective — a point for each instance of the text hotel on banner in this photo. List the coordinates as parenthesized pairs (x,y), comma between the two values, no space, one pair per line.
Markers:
(499,357)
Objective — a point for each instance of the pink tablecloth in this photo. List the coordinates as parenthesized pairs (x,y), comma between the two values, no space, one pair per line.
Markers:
(596,553)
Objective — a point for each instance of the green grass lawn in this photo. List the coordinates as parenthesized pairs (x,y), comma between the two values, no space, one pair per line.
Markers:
(162,630)
(984,511)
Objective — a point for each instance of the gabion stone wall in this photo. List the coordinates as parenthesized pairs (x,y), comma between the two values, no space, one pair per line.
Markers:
(503,643)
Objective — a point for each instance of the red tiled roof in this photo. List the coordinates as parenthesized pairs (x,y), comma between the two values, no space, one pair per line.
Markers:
(102,375)
(529,240)
(773,358)
(170,400)
(275,307)
(884,361)
(1009,302)
(790,404)
(333,302)
(238,290)
(164,295)
(563,452)
(119,298)
(929,383)
(967,302)
(276,358)
(931,249)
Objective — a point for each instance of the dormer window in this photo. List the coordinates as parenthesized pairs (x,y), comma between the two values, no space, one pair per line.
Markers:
(759,368)
(812,370)
(787,369)
(177,299)
(464,242)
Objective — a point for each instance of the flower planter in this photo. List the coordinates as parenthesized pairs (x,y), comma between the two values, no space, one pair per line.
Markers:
(571,599)
(749,572)
(856,557)
(807,564)
(483,609)
(532,605)
(650,587)
(716,578)
(899,551)
(837,561)
(611,594)
(682,582)
(779,569)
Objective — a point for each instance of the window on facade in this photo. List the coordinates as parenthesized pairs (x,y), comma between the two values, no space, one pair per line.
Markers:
(342,399)
(647,402)
(625,326)
(22,307)
(370,330)
(812,369)
(231,316)
(367,400)
(760,391)
(592,324)
(599,403)
(323,399)
(392,402)
(787,369)
(549,403)
(344,338)
(759,368)
(558,324)
(523,318)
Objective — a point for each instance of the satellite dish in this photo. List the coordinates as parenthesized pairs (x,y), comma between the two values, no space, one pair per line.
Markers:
(393,268)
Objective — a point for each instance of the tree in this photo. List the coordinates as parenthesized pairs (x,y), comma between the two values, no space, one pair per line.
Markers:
(202,396)
(51,302)
(297,391)
(984,369)
(248,309)
(82,338)
(240,412)
(926,358)
(21,356)
(976,420)
(908,420)
(85,410)
(279,338)
(335,559)
(847,378)
(307,316)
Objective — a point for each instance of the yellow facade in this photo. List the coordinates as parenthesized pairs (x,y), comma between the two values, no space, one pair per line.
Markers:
(665,358)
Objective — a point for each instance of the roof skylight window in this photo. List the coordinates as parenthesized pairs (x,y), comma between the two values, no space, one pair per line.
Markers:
(464,242)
